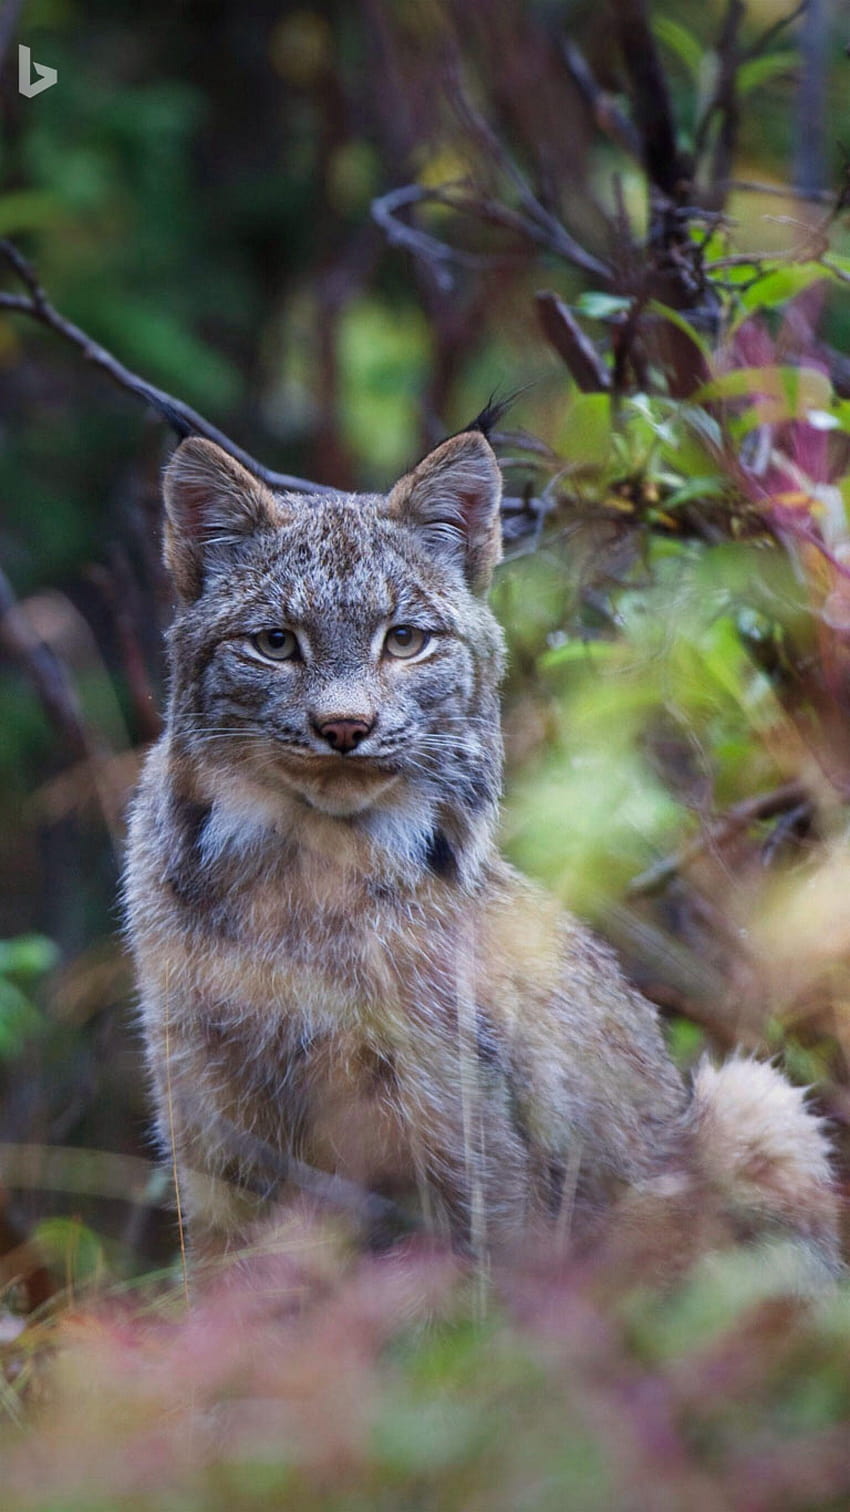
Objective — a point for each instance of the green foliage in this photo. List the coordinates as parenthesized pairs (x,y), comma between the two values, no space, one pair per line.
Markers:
(384,355)
(71,1250)
(23,962)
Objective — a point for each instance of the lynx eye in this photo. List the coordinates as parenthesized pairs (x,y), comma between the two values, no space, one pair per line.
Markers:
(277,645)
(404,641)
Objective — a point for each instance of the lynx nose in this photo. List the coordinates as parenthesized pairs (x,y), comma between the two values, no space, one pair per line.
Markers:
(344,734)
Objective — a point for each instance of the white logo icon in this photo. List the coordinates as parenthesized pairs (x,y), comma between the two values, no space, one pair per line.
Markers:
(33,78)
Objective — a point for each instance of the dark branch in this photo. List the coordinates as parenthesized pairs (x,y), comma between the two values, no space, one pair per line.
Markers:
(606,113)
(762,43)
(46,673)
(464,201)
(650,97)
(564,333)
(781,800)
(275,1170)
(724,101)
(429,249)
(184,420)
(546,228)
(521,517)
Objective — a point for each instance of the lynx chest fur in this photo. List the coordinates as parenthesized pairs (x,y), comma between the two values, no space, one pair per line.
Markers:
(340,978)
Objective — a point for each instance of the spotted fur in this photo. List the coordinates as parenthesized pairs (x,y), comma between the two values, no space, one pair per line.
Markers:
(341,980)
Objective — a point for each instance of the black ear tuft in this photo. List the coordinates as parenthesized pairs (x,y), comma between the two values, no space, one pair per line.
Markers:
(494,410)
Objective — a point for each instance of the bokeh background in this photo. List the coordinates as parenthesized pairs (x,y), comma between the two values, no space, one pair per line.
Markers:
(197,193)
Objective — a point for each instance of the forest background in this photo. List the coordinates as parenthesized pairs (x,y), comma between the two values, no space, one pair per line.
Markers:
(334,231)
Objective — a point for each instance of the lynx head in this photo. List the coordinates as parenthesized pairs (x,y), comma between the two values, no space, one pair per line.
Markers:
(338,647)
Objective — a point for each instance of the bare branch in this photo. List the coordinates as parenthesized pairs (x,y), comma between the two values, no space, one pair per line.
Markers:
(650,98)
(762,43)
(274,1170)
(464,201)
(521,517)
(181,417)
(779,191)
(46,673)
(545,227)
(606,113)
(564,333)
(781,800)
(724,100)
(430,248)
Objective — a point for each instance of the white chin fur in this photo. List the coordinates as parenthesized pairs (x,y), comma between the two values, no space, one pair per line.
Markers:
(342,796)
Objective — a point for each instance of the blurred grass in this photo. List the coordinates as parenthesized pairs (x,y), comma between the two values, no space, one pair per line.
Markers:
(382,1388)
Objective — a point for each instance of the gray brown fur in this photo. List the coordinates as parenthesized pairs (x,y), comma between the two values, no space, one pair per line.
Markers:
(338,972)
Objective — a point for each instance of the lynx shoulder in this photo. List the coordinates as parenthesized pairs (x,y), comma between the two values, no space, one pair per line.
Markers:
(343,986)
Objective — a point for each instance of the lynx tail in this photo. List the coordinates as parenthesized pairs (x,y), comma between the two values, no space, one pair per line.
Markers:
(767,1155)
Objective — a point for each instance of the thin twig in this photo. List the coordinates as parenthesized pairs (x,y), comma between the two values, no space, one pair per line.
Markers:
(178,1200)
(564,333)
(275,1170)
(181,417)
(778,191)
(46,673)
(606,113)
(463,201)
(429,249)
(790,795)
(724,101)
(763,42)
(547,229)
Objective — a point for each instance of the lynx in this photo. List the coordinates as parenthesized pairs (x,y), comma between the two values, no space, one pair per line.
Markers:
(344,987)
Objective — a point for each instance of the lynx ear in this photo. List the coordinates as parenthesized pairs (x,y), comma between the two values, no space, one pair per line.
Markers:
(452,500)
(211,502)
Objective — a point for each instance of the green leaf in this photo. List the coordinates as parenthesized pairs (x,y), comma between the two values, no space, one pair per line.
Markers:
(707,487)
(837,260)
(29,955)
(685,1041)
(782,284)
(578,651)
(29,210)
(20,1020)
(585,436)
(681,42)
(760,71)
(793,390)
(599,306)
(70,1247)
(693,450)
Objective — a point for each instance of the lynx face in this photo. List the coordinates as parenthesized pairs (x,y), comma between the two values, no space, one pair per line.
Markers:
(339,649)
